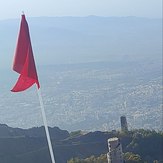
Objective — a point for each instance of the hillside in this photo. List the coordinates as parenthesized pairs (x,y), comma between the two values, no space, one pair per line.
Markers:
(62,40)
(25,148)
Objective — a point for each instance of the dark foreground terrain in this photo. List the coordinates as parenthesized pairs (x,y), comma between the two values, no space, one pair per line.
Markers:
(30,146)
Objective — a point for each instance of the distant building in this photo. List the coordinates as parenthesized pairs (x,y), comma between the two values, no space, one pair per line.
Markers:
(115,151)
(124,126)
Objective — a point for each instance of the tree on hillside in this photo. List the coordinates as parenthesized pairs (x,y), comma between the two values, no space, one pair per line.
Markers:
(130,157)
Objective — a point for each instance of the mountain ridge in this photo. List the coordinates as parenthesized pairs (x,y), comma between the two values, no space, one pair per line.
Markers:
(82,39)
(24,149)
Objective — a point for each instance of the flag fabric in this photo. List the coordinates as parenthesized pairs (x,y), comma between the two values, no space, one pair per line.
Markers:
(24,63)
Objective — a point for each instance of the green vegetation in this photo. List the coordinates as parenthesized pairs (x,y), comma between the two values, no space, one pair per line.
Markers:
(130,157)
(139,146)
(101,159)
(30,146)
(76,133)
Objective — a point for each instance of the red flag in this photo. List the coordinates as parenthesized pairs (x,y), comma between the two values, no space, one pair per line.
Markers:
(24,63)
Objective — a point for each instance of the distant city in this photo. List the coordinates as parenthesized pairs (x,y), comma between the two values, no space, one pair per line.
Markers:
(92,71)
(91,96)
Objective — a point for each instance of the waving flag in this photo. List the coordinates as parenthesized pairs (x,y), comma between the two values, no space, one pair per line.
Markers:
(24,63)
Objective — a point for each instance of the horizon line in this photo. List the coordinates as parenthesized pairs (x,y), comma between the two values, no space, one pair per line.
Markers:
(87,16)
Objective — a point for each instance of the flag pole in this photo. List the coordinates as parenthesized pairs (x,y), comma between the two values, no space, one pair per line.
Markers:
(46,126)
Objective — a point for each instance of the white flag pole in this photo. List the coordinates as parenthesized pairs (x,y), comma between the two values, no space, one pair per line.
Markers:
(45,125)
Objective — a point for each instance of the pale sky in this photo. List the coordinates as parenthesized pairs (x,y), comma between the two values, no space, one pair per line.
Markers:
(34,8)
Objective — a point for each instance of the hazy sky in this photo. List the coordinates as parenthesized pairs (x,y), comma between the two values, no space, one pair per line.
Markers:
(34,8)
